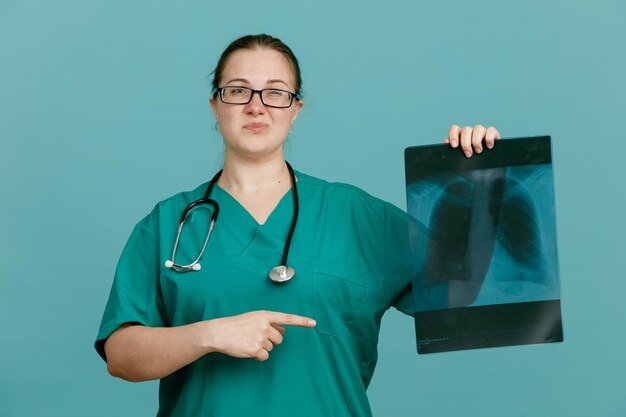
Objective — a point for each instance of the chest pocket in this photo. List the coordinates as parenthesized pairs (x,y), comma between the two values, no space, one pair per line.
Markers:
(339,293)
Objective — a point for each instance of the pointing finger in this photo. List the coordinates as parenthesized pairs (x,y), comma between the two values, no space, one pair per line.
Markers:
(291,320)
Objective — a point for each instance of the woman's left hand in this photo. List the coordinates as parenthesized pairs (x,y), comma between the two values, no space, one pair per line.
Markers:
(472,139)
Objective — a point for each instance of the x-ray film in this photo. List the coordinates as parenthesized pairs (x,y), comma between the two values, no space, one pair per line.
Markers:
(483,246)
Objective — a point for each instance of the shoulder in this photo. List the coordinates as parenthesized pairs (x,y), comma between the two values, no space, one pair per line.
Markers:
(342,193)
(338,190)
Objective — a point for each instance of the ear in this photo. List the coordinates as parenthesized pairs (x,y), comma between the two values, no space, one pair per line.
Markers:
(298,107)
(213,104)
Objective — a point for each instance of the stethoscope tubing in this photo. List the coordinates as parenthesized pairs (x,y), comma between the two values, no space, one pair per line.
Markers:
(296,212)
(281,273)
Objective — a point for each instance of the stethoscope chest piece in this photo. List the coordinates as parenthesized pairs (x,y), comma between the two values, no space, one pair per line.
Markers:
(282,273)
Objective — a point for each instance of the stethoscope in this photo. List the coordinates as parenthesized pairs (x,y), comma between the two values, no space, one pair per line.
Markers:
(281,273)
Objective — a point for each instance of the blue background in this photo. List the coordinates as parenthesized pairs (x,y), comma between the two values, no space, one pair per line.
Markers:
(103,112)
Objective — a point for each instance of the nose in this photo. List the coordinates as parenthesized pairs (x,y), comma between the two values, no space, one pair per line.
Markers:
(256,106)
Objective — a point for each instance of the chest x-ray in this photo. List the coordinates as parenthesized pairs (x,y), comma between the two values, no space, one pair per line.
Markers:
(483,246)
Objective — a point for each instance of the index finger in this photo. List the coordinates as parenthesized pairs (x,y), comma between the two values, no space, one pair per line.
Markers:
(290,320)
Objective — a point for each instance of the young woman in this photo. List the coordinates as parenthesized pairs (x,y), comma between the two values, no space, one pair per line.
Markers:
(225,338)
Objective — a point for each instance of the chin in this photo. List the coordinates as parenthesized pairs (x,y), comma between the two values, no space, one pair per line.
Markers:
(257,152)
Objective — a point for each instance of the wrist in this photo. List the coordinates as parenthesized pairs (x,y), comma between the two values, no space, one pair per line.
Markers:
(208,341)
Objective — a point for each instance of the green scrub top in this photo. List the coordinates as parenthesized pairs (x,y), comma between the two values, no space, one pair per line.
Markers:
(351,255)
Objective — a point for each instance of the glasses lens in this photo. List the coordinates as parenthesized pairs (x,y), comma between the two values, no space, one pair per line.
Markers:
(269,97)
(276,98)
(235,95)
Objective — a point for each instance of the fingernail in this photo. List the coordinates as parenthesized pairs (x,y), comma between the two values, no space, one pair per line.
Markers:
(490,145)
(453,142)
(468,153)
(479,150)
(312,323)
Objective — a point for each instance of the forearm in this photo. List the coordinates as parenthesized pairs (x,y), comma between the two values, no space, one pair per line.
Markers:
(139,353)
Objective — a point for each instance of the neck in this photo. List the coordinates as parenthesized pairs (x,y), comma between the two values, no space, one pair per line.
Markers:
(249,177)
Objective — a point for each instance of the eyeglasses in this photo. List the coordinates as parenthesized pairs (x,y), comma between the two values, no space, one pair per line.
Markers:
(270,97)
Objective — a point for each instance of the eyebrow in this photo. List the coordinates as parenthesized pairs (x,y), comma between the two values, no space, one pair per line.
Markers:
(243,80)
(277,81)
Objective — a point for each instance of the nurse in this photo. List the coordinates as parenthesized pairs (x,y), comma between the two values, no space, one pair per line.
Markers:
(226,340)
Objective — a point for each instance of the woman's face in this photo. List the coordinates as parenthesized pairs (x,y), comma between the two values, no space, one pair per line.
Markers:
(254,130)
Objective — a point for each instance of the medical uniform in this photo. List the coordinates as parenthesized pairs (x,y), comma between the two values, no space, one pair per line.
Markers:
(351,256)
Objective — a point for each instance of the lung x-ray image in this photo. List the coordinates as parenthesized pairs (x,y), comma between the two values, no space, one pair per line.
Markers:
(483,246)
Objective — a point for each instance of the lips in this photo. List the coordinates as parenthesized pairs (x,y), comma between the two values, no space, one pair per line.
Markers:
(255,126)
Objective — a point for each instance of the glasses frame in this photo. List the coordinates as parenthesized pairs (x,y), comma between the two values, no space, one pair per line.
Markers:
(220,92)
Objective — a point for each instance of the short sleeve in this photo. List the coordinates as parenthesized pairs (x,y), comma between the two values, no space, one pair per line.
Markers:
(135,295)
(398,258)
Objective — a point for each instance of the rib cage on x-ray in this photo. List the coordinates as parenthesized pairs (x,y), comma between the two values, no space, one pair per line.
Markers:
(483,246)
(488,242)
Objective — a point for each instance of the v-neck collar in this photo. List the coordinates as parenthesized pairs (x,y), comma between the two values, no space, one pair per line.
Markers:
(275,218)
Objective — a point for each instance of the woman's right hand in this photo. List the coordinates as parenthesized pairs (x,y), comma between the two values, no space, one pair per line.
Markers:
(141,353)
(253,334)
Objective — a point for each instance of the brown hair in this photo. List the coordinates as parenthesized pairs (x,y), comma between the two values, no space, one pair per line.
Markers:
(262,41)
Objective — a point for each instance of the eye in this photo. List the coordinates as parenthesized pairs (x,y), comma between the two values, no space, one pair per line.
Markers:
(237,91)
(276,93)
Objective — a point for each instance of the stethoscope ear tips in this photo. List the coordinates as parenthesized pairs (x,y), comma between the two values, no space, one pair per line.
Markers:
(196,267)
(169,264)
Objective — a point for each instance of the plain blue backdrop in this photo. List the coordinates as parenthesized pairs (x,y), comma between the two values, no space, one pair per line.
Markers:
(103,112)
